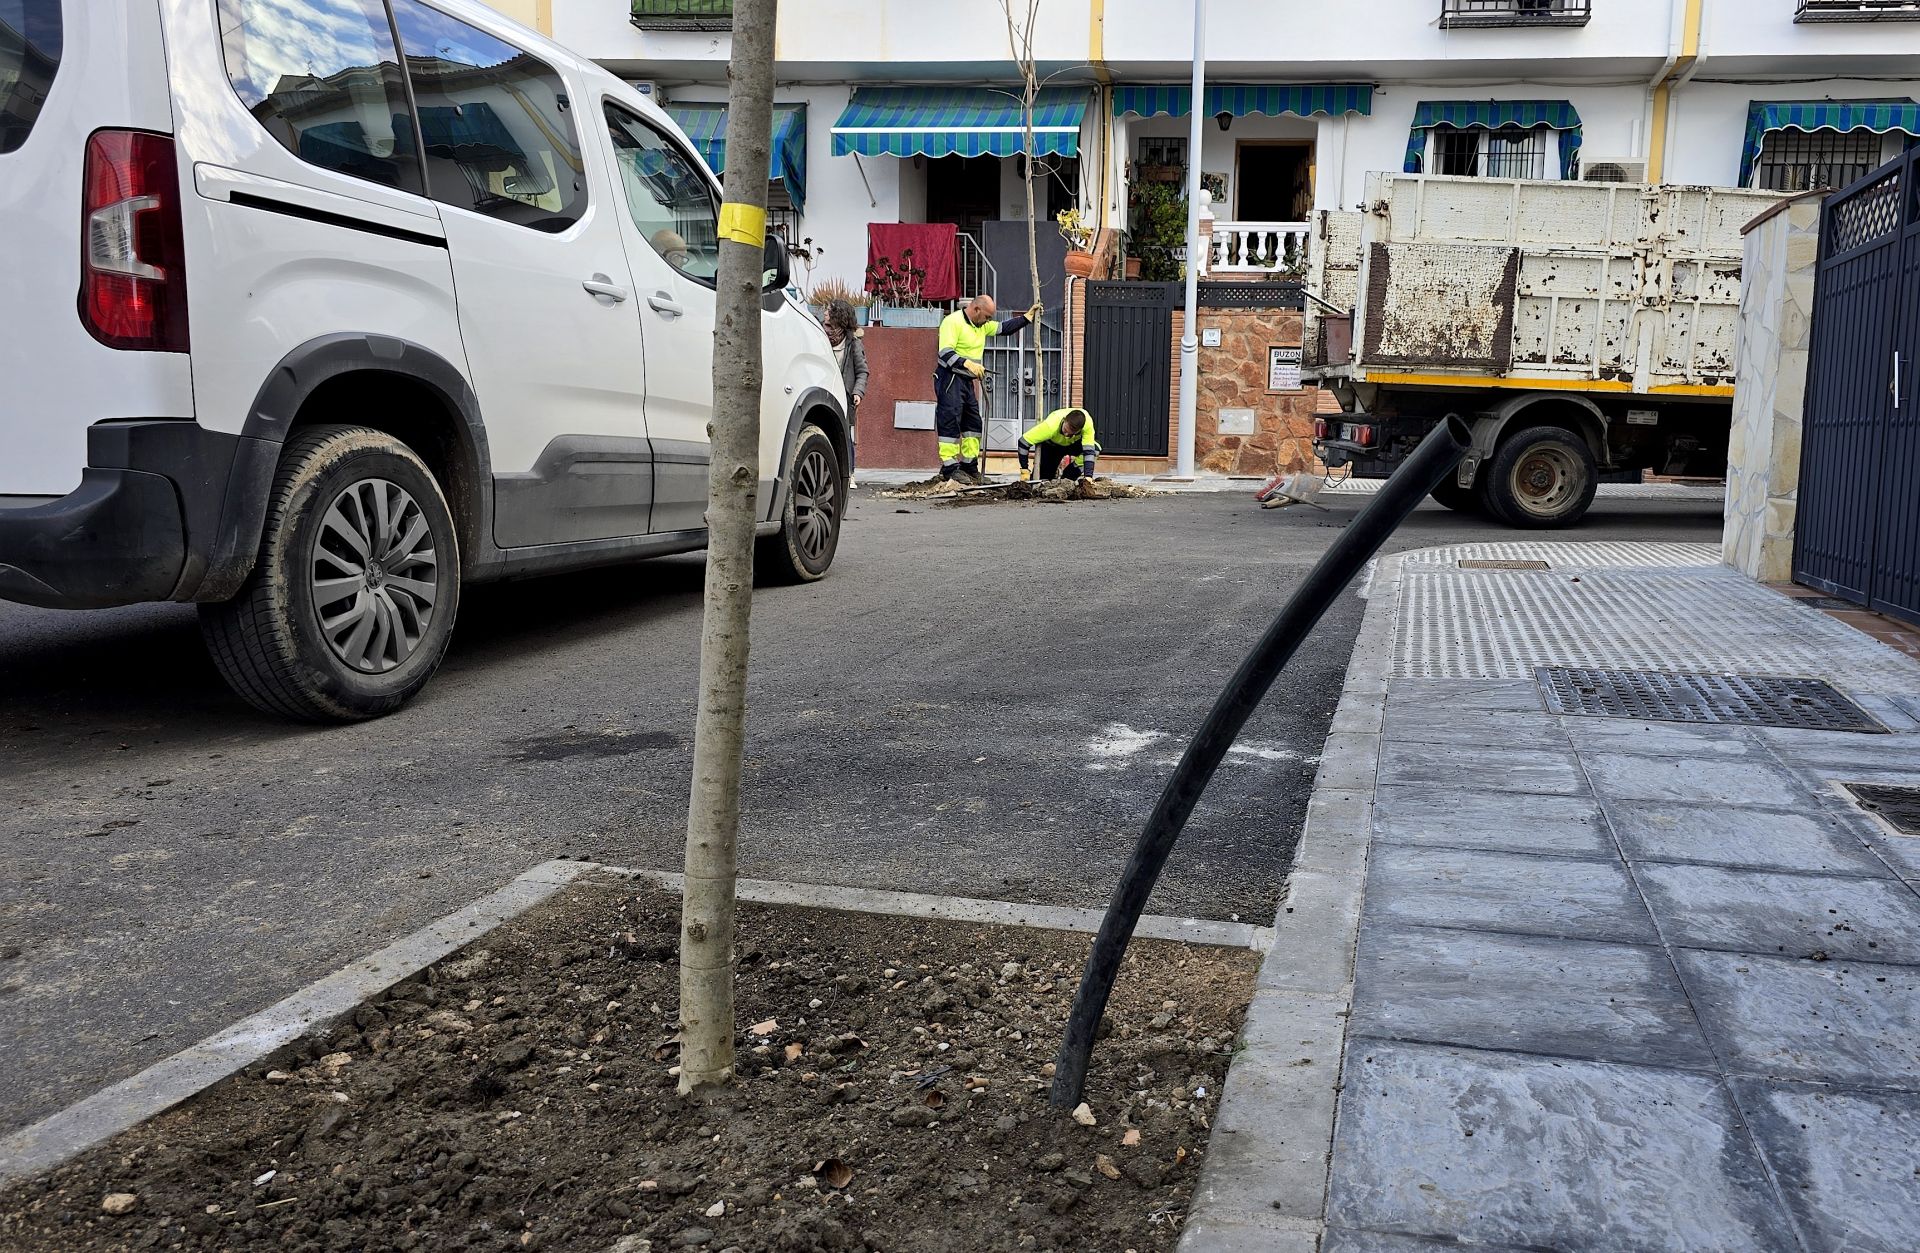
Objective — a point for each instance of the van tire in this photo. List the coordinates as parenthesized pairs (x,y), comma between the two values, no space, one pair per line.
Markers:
(269,643)
(810,516)
(1541,478)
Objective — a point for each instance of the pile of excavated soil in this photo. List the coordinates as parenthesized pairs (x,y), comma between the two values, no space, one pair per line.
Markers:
(891,1096)
(1052,491)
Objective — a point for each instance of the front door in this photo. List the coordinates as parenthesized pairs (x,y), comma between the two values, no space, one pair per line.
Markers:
(545,301)
(670,225)
(1274,182)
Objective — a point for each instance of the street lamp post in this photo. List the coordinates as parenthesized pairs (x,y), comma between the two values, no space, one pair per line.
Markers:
(1190,329)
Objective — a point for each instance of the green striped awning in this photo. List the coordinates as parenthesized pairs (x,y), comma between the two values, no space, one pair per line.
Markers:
(1246,99)
(1494,114)
(1878,116)
(706,126)
(958,121)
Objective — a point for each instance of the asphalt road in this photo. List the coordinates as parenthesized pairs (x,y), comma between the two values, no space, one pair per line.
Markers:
(979,701)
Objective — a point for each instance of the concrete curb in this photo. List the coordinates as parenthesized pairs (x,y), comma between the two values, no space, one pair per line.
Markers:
(1264,1185)
(168,1082)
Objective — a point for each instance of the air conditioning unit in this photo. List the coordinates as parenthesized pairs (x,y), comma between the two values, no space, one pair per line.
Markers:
(1612,170)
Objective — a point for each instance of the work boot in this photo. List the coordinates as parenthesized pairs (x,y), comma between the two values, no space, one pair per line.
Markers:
(958,472)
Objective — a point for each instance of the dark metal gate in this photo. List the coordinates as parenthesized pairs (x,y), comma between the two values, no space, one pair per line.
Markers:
(1129,365)
(1858,524)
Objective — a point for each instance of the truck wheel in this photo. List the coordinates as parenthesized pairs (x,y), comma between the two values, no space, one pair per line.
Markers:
(351,604)
(1455,497)
(1540,478)
(810,517)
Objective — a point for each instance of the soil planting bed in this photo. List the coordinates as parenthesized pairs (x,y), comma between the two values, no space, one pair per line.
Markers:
(891,1096)
(1051,491)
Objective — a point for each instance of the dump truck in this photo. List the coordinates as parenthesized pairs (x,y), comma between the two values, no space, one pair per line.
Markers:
(1585,331)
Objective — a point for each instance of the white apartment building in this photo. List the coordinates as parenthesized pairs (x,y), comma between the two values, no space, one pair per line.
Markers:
(887,102)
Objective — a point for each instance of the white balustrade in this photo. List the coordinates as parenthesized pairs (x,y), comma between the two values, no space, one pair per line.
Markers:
(1259,248)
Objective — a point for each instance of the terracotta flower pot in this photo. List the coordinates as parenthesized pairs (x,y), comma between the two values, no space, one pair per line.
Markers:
(1133,267)
(1080,264)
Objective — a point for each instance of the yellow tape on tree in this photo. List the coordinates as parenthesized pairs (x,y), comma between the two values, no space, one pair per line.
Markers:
(744,224)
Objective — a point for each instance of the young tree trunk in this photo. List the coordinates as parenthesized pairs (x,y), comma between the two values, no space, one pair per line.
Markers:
(733,477)
(1020,37)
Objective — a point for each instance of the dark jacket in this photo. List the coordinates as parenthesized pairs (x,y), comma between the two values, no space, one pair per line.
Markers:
(853,368)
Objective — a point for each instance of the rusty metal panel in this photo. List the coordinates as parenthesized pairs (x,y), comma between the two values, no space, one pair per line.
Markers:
(1446,305)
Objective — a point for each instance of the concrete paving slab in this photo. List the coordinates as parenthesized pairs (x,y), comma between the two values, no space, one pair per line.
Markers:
(1568,998)
(1346,1240)
(1633,776)
(1465,695)
(1775,839)
(1659,739)
(1825,1022)
(1567,826)
(1540,1153)
(1844,1161)
(1590,900)
(1554,772)
(1842,749)
(1487,729)
(1769,911)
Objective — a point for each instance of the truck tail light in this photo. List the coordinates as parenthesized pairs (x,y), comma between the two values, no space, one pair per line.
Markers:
(1363,436)
(1319,428)
(133,274)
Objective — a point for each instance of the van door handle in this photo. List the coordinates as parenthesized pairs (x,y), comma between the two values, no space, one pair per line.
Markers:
(601,285)
(661,302)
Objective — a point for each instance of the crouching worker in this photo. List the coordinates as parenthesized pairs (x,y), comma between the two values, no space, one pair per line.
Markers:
(1066,443)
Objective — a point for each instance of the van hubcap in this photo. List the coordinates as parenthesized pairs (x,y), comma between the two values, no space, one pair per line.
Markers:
(374,576)
(1546,480)
(816,504)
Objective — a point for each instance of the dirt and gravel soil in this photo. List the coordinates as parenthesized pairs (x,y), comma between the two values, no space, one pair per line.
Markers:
(520,1095)
(1049,491)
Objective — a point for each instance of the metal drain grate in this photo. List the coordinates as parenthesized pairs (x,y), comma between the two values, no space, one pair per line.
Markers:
(1746,699)
(1898,807)
(1503,565)
(1825,602)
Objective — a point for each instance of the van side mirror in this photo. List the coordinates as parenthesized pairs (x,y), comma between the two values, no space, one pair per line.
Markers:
(776,271)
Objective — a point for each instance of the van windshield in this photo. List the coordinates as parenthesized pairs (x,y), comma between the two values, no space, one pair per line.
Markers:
(29,54)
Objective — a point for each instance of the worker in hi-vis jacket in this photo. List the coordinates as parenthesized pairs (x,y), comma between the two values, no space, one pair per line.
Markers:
(1066,443)
(956,412)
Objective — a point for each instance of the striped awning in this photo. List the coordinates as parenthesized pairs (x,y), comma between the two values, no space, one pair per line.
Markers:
(958,121)
(1247,99)
(1878,116)
(1493,115)
(706,126)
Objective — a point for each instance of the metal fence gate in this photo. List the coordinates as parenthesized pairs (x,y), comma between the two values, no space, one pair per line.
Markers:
(1858,525)
(1129,365)
(1011,363)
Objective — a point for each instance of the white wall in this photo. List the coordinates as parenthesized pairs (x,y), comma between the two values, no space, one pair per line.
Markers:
(841,35)
(1710,121)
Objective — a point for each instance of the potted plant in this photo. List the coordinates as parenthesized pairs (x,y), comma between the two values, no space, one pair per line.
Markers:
(1079,236)
(1157,232)
(898,290)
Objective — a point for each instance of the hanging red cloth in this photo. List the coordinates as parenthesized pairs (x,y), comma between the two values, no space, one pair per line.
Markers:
(934,250)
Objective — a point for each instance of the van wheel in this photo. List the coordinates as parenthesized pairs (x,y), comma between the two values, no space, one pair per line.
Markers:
(1540,478)
(351,604)
(1455,497)
(809,534)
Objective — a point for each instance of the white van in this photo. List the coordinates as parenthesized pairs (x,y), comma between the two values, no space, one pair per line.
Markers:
(312,310)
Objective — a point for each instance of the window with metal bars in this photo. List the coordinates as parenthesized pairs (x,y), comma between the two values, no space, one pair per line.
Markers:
(1801,161)
(1481,152)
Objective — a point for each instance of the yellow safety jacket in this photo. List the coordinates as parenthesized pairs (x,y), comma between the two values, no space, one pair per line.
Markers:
(961,341)
(1049,432)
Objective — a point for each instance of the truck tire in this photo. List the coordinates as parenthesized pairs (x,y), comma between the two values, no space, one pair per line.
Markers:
(350,606)
(1455,497)
(802,550)
(1540,478)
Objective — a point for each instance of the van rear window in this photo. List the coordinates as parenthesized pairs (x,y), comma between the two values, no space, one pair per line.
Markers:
(29,55)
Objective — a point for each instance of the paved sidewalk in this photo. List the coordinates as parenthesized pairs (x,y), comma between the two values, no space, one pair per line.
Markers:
(1594,983)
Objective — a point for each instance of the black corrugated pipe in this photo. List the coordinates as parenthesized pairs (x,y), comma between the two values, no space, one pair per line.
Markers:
(1418,475)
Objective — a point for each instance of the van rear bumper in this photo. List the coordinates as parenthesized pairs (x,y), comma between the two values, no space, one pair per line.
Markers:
(150,520)
(116,540)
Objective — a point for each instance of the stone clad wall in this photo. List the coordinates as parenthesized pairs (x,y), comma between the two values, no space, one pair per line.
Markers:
(1770,385)
(1234,376)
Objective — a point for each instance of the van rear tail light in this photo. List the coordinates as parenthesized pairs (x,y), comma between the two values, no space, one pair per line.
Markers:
(1319,428)
(133,274)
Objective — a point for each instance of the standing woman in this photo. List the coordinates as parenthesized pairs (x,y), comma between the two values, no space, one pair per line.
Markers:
(844,333)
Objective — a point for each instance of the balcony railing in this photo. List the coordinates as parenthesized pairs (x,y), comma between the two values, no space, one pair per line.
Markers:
(683,14)
(1856,11)
(1460,14)
(1259,249)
